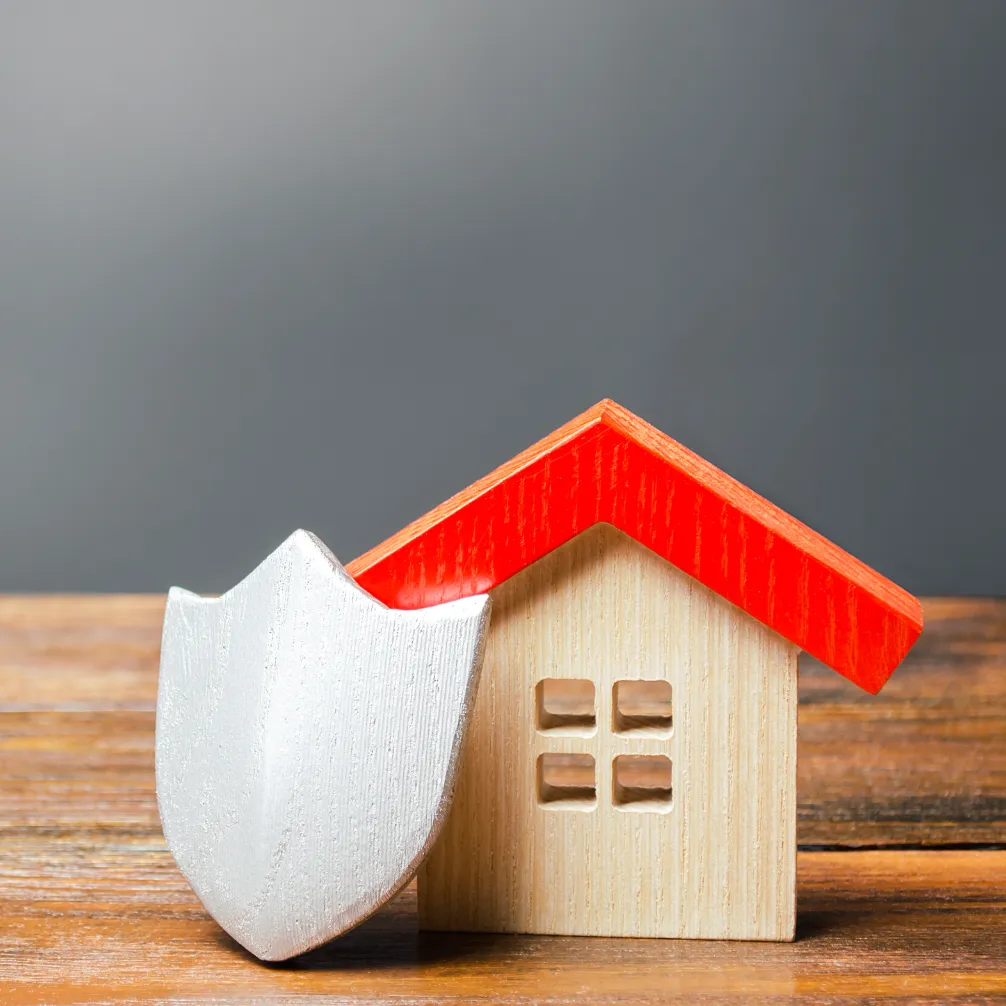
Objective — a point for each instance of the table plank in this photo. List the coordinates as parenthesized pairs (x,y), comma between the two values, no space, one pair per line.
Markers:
(923,763)
(81,922)
(79,652)
(92,908)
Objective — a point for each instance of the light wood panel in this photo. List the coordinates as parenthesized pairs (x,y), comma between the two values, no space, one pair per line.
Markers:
(718,859)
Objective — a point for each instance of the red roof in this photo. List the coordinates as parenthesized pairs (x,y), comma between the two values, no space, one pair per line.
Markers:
(609,465)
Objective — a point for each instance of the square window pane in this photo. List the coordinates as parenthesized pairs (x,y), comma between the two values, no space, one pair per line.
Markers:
(566,704)
(567,781)
(642,707)
(642,782)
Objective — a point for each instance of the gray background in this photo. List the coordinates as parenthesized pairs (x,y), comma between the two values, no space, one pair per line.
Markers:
(323,264)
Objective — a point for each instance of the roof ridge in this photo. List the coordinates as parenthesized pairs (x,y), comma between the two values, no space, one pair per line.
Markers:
(607,464)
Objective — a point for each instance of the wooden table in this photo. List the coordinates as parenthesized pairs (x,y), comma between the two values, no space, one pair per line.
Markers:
(902,823)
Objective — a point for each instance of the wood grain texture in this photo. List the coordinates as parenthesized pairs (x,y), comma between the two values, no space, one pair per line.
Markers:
(715,861)
(307,743)
(608,465)
(925,927)
(924,762)
(93,909)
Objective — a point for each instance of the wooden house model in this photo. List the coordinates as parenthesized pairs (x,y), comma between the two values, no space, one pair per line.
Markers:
(630,765)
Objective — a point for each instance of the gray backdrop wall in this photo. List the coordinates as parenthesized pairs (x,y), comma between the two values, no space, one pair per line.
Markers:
(269,265)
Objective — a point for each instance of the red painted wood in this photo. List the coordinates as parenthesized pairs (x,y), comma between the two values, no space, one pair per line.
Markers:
(609,465)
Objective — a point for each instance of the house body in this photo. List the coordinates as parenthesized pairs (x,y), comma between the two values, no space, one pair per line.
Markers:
(630,765)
